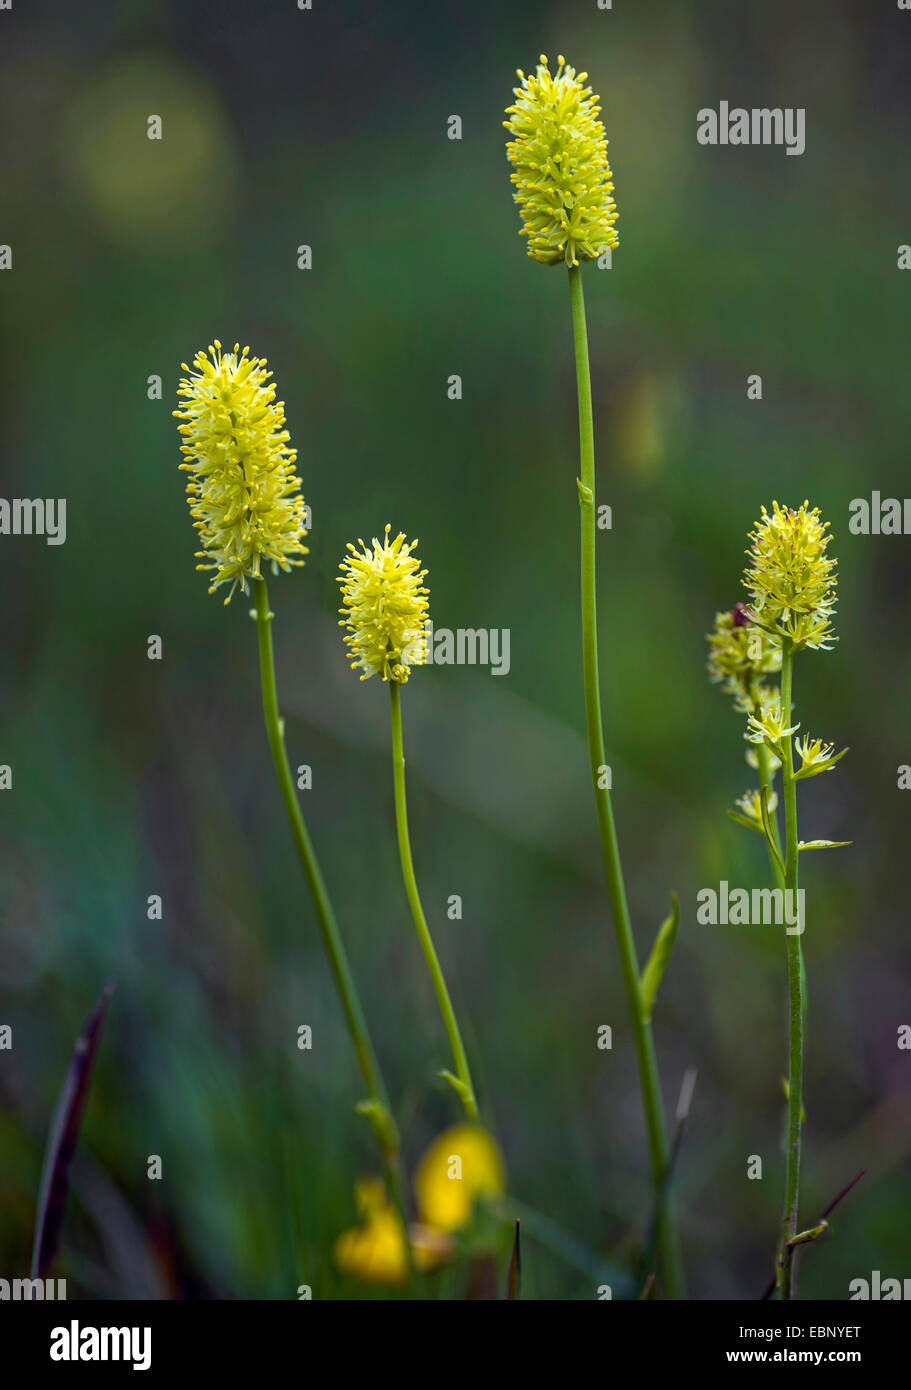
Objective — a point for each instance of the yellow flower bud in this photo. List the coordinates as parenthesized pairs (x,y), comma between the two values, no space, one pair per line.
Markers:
(560,169)
(384,608)
(243,491)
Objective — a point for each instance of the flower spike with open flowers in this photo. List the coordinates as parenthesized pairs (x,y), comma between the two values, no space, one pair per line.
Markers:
(560,170)
(791,582)
(564,190)
(245,500)
(790,577)
(384,610)
(243,491)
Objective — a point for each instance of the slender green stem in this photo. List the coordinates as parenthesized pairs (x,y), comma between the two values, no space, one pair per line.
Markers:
(796,996)
(377,1108)
(766,779)
(325,916)
(796,993)
(642,1033)
(785,1281)
(463,1074)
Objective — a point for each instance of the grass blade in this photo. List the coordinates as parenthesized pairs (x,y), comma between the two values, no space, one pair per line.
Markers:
(514,1279)
(657,961)
(684,1102)
(63,1137)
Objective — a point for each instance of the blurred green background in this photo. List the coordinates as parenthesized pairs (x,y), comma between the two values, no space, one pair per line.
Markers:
(134,777)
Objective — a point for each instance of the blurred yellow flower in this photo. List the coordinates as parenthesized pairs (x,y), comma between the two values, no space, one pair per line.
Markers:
(375,1250)
(560,170)
(384,608)
(461,1165)
(155,193)
(243,491)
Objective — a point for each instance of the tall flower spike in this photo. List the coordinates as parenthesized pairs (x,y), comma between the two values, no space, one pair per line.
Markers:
(243,491)
(560,169)
(384,608)
(790,578)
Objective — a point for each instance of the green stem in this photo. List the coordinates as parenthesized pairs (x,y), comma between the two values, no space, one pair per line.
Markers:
(642,1033)
(766,779)
(796,998)
(378,1108)
(463,1074)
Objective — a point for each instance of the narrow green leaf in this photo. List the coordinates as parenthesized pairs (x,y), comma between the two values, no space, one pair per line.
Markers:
(823,844)
(767,823)
(657,961)
(745,820)
(815,768)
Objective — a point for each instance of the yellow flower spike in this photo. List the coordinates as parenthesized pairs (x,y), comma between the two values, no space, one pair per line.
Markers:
(563,187)
(790,578)
(461,1165)
(375,1251)
(384,608)
(243,491)
(560,169)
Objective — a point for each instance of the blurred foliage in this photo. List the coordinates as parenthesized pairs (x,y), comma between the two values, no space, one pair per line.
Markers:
(132,777)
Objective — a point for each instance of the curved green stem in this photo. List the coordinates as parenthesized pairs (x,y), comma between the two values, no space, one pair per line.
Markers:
(796,996)
(642,1033)
(377,1107)
(465,1087)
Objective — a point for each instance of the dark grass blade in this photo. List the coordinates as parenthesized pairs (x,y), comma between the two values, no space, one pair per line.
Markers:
(842,1194)
(63,1137)
(829,1209)
(514,1278)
